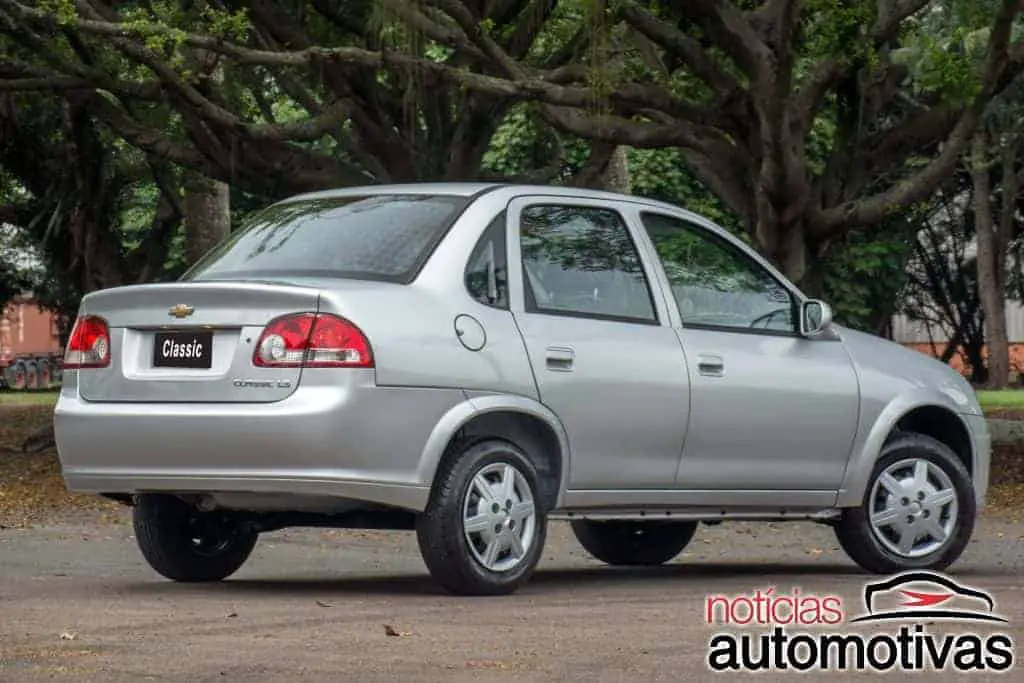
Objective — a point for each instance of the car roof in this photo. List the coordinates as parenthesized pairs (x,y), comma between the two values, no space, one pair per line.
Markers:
(473,189)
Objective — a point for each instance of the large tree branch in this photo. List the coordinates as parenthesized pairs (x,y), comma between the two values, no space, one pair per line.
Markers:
(1000,67)
(725,173)
(674,41)
(522,87)
(372,120)
(476,34)
(531,21)
(884,150)
(730,29)
(256,171)
(433,30)
(834,69)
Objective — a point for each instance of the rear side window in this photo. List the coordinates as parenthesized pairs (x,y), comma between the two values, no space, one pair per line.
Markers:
(487,270)
(378,237)
(581,261)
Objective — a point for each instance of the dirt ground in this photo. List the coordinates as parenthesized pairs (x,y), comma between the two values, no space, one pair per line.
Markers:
(77,602)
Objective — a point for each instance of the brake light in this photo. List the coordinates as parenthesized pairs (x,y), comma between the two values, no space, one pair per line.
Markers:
(89,344)
(312,340)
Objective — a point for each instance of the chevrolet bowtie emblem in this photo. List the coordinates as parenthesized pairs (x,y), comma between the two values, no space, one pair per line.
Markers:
(181,311)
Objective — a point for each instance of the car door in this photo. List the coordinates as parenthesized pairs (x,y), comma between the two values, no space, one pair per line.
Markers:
(769,409)
(605,358)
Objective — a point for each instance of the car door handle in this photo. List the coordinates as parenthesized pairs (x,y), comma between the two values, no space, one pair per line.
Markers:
(711,366)
(560,358)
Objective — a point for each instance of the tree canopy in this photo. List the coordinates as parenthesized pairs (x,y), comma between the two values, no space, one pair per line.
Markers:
(807,119)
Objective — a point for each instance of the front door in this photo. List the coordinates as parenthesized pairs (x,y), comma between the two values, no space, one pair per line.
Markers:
(769,409)
(605,358)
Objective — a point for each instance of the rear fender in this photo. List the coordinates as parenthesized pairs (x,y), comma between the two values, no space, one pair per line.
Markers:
(476,405)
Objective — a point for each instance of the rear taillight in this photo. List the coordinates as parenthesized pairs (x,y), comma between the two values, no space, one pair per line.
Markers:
(312,340)
(88,345)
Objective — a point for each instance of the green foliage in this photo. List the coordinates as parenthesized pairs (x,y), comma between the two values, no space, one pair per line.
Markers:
(836,27)
(63,10)
(662,174)
(864,274)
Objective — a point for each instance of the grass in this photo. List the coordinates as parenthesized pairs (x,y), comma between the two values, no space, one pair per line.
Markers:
(1008,398)
(28,398)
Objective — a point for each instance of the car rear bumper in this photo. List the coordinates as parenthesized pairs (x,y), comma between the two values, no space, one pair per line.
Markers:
(355,441)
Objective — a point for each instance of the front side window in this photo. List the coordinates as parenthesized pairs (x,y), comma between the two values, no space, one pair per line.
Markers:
(375,237)
(581,261)
(714,283)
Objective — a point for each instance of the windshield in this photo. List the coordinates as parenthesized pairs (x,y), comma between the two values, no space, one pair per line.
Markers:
(378,237)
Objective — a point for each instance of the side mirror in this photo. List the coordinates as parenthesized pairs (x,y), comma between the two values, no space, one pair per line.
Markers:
(815,316)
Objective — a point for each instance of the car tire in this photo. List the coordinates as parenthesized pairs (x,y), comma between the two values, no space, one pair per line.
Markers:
(870,534)
(482,533)
(187,545)
(633,543)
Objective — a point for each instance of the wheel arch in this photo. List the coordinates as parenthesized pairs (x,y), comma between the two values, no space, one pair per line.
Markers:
(918,413)
(521,420)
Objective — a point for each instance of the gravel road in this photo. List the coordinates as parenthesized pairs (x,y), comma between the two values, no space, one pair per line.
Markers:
(77,602)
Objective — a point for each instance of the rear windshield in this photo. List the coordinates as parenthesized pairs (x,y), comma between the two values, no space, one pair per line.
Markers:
(379,237)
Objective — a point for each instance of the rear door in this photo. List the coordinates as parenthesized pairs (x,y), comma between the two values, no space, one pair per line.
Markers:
(191,342)
(605,360)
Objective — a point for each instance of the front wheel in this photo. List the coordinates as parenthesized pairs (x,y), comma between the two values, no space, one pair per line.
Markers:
(484,528)
(185,544)
(633,543)
(918,510)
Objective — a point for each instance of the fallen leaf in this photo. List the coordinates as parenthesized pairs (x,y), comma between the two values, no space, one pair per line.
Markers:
(815,551)
(390,630)
(324,604)
(487,664)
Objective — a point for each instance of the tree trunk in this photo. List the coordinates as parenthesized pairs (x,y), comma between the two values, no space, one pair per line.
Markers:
(990,265)
(616,175)
(207,214)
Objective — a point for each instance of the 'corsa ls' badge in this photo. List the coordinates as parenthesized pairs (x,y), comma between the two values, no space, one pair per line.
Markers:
(261,383)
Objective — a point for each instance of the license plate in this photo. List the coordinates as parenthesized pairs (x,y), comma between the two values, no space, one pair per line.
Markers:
(183,350)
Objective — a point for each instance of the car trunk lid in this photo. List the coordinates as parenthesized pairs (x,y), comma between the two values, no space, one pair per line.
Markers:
(192,342)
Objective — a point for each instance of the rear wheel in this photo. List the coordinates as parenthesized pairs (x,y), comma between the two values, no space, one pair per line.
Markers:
(484,528)
(185,544)
(918,511)
(633,543)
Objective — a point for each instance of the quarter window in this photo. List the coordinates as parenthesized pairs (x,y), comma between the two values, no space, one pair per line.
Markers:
(581,261)
(487,270)
(714,283)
